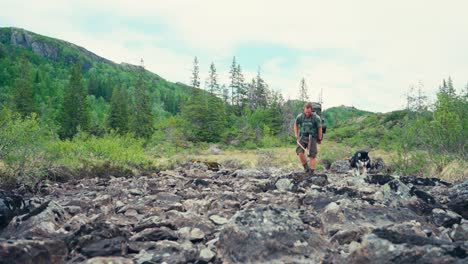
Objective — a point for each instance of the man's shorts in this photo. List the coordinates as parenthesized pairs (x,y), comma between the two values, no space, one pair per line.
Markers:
(304,141)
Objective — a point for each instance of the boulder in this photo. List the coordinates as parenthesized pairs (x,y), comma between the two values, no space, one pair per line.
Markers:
(44,221)
(340,166)
(265,234)
(42,251)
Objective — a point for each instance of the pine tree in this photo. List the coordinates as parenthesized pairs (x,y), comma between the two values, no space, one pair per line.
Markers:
(213,86)
(303,93)
(23,97)
(75,107)
(225,92)
(118,112)
(93,86)
(252,95)
(195,79)
(37,79)
(241,92)
(234,76)
(450,88)
(143,118)
(261,91)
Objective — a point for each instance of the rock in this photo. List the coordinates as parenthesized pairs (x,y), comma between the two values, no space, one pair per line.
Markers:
(136,191)
(219,220)
(11,205)
(376,250)
(284,184)
(73,210)
(422,181)
(119,205)
(105,247)
(459,199)
(44,221)
(418,206)
(168,252)
(103,199)
(192,234)
(265,234)
(151,222)
(395,190)
(445,218)
(378,179)
(98,239)
(250,173)
(33,251)
(206,254)
(340,166)
(316,179)
(109,260)
(460,232)
(196,234)
(347,236)
(155,234)
(378,165)
(346,214)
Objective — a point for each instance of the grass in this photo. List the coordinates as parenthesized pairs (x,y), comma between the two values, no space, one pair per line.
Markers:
(90,156)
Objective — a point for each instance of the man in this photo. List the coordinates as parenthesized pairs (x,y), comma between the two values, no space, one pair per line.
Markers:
(308,132)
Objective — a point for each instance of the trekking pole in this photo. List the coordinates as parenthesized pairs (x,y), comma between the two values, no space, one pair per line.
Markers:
(305,150)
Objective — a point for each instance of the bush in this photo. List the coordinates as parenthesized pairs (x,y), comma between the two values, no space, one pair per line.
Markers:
(85,149)
(21,141)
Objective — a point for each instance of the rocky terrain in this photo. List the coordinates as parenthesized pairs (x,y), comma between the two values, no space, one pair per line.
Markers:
(201,214)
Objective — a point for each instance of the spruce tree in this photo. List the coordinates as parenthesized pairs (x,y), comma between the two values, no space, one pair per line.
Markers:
(143,118)
(303,93)
(252,95)
(75,107)
(241,92)
(261,91)
(234,80)
(213,86)
(23,97)
(195,79)
(118,112)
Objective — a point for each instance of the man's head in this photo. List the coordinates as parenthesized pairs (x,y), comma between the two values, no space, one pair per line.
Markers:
(308,109)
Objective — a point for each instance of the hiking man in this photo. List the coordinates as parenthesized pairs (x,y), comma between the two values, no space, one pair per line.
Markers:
(308,132)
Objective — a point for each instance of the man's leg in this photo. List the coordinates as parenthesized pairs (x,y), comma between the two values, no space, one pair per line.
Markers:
(312,155)
(312,163)
(303,160)
(300,153)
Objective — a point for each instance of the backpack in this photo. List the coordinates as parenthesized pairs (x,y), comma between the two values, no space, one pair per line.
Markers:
(317,109)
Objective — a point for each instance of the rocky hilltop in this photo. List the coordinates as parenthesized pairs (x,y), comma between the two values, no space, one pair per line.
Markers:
(209,214)
(56,50)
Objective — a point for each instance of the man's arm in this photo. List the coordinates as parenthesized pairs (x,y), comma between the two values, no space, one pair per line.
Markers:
(319,139)
(296,130)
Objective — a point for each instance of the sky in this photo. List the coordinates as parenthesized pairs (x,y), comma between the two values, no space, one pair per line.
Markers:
(362,53)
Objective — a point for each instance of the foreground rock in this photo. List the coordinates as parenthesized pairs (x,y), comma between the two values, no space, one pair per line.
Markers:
(266,234)
(208,214)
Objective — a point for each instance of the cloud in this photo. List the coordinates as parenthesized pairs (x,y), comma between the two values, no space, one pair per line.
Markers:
(363,53)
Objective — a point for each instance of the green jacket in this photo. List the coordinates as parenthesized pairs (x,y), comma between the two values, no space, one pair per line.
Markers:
(308,125)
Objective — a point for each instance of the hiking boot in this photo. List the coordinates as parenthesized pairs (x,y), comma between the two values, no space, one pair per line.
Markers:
(310,172)
(306,168)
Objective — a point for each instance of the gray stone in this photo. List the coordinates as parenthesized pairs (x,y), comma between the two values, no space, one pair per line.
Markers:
(284,184)
(219,220)
(206,254)
(33,251)
(265,234)
(340,166)
(445,218)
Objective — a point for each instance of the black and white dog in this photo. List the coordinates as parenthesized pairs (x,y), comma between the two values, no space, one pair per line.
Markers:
(360,162)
